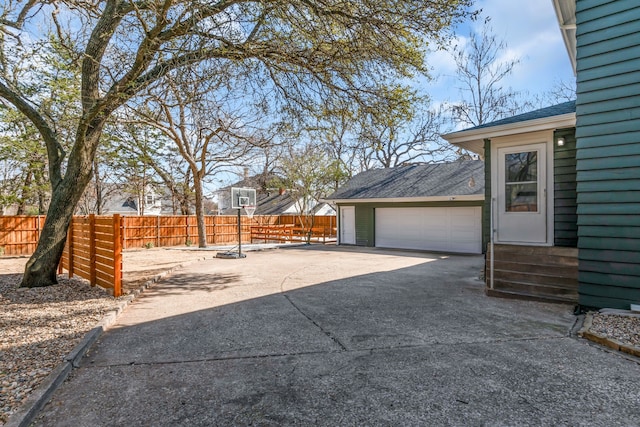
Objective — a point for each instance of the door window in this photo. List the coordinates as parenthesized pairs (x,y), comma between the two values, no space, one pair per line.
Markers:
(521,182)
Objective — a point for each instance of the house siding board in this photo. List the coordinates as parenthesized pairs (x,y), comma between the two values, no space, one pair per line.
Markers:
(610,220)
(593,54)
(607,175)
(600,152)
(620,110)
(605,130)
(587,300)
(605,83)
(615,257)
(617,140)
(565,205)
(608,158)
(592,74)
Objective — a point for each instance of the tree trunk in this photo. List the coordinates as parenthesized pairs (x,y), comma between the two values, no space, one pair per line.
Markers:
(202,231)
(98,184)
(41,269)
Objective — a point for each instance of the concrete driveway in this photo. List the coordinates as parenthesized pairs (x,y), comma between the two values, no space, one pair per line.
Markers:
(335,336)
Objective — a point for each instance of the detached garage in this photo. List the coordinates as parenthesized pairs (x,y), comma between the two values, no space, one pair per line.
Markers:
(435,207)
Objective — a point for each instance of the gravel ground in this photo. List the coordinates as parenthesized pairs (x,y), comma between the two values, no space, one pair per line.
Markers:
(625,329)
(39,327)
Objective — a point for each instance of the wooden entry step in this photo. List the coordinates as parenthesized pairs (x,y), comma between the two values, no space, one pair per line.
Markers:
(548,274)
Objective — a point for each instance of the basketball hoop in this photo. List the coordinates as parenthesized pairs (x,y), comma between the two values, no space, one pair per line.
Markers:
(250,210)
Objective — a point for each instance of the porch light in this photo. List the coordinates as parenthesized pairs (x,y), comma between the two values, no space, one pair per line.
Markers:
(560,142)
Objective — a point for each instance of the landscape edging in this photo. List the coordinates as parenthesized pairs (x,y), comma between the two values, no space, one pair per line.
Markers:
(611,343)
(36,400)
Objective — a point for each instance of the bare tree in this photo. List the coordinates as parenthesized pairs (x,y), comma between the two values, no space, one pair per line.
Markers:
(481,74)
(299,51)
(197,116)
(309,174)
(403,141)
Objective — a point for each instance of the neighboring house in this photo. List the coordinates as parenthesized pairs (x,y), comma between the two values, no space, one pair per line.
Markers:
(123,202)
(270,201)
(565,187)
(436,207)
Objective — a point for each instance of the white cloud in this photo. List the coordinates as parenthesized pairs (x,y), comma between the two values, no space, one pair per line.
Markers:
(530,30)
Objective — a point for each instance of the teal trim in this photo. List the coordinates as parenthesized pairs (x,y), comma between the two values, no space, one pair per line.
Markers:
(486,210)
(565,227)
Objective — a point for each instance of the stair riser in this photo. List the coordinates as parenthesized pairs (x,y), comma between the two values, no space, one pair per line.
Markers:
(534,289)
(523,296)
(510,276)
(535,259)
(547,270)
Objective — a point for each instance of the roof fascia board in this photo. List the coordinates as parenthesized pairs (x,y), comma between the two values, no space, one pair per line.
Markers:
(546,123)
(466,198)
(567,26)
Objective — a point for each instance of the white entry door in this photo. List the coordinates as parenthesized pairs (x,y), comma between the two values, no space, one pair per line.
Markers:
(347,225)
(521,194)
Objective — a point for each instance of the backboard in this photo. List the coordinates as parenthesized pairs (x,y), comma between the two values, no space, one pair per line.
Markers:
(241,197)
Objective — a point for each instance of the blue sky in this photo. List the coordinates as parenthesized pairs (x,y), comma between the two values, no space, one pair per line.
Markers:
(530,30)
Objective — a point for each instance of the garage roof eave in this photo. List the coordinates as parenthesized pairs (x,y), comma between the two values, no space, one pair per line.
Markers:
(452,198)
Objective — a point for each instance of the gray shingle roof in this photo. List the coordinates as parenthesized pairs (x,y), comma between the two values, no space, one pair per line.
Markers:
(554,110)
(432,180)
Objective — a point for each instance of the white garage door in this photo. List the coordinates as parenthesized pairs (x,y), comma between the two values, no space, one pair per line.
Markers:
(451,229)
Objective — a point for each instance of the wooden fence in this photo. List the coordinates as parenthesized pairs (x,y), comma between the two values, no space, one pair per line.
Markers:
(19,234)
(94,251)
(94,243)
(159,231)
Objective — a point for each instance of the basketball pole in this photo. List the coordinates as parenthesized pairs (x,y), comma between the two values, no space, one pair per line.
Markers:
(239,235)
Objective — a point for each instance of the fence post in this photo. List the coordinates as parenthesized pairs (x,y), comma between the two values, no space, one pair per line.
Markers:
(38,229)
(186,220)
(117,255)
(124,232)
(70,239)
(92,249)
(158,231)
(215,229)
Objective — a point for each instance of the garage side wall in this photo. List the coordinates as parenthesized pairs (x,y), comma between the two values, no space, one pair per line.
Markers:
(365,216)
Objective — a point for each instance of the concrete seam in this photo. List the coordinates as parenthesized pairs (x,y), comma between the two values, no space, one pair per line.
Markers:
(327,333)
